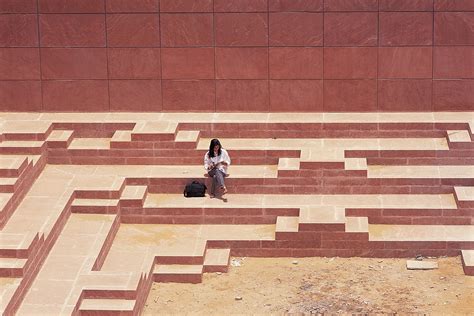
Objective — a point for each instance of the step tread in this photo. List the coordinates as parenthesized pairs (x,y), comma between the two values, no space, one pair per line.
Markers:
(412,201)
(90,143)
(12,263)
(289,164)
(357,224)
(95,202)
(217,257)
(464,193)
(421,232)
(187,136)
(122,136)
(177,269)
(322,215)
(355,164)
(134,192)
(468,257)
(287,224)
(417,172)
(21,144)
(459,136)
(8,181)
(59,136)
(13,163)
(107,304)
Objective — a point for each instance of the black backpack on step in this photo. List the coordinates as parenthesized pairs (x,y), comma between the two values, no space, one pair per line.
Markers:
(195,189)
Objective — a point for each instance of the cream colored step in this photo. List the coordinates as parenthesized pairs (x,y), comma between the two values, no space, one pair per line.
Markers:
(322,215)
(95,202)
(8,286)
(357,224)
(187,136)
(13,162)
(90,143)
(60,136)
(26,126)
(421,233)
(8,181)
(122,136)
(217,257)
(331,144)
(12,263)
(459,136)
(177,269)
(134,192)
(155,127)
(417,172)
(21,144)
(468,257)
(355,164)
(289,164)
(464,193)
(184,171)
(287,224)
(107,305)
(413,201)
(343,117)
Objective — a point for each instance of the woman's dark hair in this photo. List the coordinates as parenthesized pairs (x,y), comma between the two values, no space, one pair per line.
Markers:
(214,142)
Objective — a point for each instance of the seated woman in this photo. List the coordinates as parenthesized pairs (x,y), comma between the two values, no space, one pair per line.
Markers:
(216,161)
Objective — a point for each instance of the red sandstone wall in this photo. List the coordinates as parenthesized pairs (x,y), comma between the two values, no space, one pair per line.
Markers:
(236,55)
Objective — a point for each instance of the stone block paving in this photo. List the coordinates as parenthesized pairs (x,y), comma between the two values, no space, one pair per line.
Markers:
(92,211)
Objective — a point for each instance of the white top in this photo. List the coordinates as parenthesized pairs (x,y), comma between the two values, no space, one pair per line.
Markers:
(224,156)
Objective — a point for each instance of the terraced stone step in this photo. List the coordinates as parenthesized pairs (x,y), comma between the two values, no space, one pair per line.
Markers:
(467,257)
(12,267)
(178,273)
(12,166)
(60,138)
(216,260)
(22,147)
(107,306)
(95,206)
(408,233)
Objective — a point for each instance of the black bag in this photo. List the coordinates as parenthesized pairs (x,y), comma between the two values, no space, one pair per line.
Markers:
(195,189)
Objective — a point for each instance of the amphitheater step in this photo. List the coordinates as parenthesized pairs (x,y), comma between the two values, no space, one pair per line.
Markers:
(456,233)
(465,196)
(12,166)
(154,131)
(133,195)
(93,206)
(178,273)
(418,172)
(322,218)
(357,225)
(22,147)
(216,260)
(187,136)
(60,139)
(107,306)
(7,185)
(287,224)
(459,136)
(467,257)
(12,267)
(90,143)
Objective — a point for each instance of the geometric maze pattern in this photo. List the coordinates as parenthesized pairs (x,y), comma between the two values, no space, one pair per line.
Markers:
(92,210)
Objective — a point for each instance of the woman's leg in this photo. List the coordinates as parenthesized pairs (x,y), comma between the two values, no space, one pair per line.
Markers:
(212,174)
(220,180)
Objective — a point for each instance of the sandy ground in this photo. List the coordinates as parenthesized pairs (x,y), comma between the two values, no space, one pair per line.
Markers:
(320,285)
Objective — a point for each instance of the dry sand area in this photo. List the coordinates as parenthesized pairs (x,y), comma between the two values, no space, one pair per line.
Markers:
(320,285)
